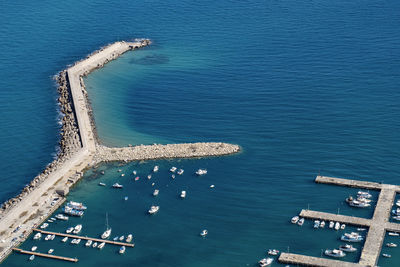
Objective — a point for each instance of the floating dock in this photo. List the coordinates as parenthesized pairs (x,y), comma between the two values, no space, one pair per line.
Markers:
(45,255)
(86,238)
(378,224)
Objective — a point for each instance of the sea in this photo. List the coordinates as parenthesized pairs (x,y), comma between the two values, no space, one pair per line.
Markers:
(304,87)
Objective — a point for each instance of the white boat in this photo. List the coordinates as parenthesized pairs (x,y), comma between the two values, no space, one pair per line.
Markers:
(122,250)
(212,186)
(69,230)
(347,248)
(201,172)
(343,226)
(52,237)
(173,169)
(102,184)
(273,252)
(119,170)
(386,255)
(134,172)
(331,224)
(156,191)
(154,209)
(300,222)
(44,226)
(62,217)
(34,248)
(316,223)
(78,241)
(391,245)
(353,237)
(183,194)
(50,251)
(48,237)
(77,229)
(204,233)
(180,172)
(88,243)
(37,236)
(294,219)
(76,205)
(117,185)
(129,238)
(265,262)
(32,257)
(397,218)
(337,226)
(121,238)
(337,253)
(361,229)
(322,224)
(73,241)
(173,176)
(64,239)
(364,194)
(123,174)
(155,169)
(393,234)
(107,232)
(94,245)
(101,245)
(115,238)
(149,176)
(125,198)
(358,204)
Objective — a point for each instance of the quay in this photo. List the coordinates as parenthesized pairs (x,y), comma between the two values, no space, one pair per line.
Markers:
(87,238)
(45,255)
(80,149)
(378,225)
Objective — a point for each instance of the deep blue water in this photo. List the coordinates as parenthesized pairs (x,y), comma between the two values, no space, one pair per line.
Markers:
(302,87)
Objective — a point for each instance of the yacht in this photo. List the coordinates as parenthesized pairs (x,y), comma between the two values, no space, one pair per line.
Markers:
(201,172)
(322,224)
(173,169)
(204,233)
(69,230)
(77,229)
(102,184)
(94,245)
(37,236)
(337,253)
(107,232)
(129,238)
(32,257)
(122,250)
(316,223)
(76,205)
(265,262)
(353,237)
(180,172)
(51,251)
(102,172)
(331,224)
(71,211)
(295,219)
(88,243)
(347,248)
(358,204)
(300,222)
(34,248)
(183,194)
(273,252)
(101,245)
(44,226)
(117,185)
(337,226)
(393,234)
(156,191)
(64,239)
(391,245)
(155,169)
(62,217)
(154,209)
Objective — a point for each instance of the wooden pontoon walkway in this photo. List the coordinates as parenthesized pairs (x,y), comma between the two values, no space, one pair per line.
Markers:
(45,255)
(378,224)
(86,238)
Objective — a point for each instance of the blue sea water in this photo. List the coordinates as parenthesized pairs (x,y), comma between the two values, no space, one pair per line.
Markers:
(302,87)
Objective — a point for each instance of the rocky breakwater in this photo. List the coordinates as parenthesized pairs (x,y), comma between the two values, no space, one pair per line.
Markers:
(156,151)
(69,141)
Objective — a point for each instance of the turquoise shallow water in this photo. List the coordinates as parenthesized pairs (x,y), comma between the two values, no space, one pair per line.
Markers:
(302,87)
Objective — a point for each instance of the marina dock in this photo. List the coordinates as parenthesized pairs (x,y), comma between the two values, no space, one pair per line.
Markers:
(378,224)
(87,238)
(45,255)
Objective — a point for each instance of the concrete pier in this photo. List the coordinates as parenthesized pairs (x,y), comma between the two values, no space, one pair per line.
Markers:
(378,224)
(81,150)
(44,255)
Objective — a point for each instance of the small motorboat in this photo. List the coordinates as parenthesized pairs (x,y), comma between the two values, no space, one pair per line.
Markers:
(122,250)
(183,194)
(212,186)
(50,251)
(353,237)
(295,219)
(78,241)
(153,209)
(88,243)
(173,169)
(347,248)
(361,229)
(386,255)
(180,172)
(337,226)
(273,252)
(155,169)
(119,170)
(123,174)
(44,226)
(149,176)
(397,218)
(331,224)
(64,239)
(265,262)
(102,172)
(343,226)
(125,198)
(77,229)
(94,245)
(34,248)
(300,222)
(322,224)
(37,236)
(69,230)
(364,194)
(137,178)
(204,233)
(337,253)
(134,172)
(32,257)
(391,245)
(201,172)
(62,217)
(393,234)
(48,237)
(115,238)
(117,185)
(155,193)
(102,244)
(102,184)
(122,238)
(316,224)
(129,238)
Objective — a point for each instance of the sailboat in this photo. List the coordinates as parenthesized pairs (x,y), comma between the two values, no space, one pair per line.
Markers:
(107,232)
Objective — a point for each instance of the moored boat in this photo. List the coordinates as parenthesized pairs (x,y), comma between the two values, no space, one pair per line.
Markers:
(44,226)
(347,248)
(50,251)
(386,255)
(353,237)
(343,226)
(102,184)
(322,224)
(295,219)
(273,252)
(337,253)
(77,229)
(37,236)
(117,185)
(121,238)
(71,211)
(265,262)
(129,238)
(316,223)
(32,257)
(154,209)
(204,233)
(101,245)
(393,234)
(155,169)
(34,248)
(122,250)
(173,169)
(337,226)
(88,243)
(183,194)
(156,191)
(201,172)
(76,205)
(180,171)
(69,230)
(106,234)
(331,224)
(62,217)
(94,245)
(391,245)
(300,222)
(64,239)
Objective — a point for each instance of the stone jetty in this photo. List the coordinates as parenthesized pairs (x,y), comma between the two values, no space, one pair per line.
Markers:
(79,149)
